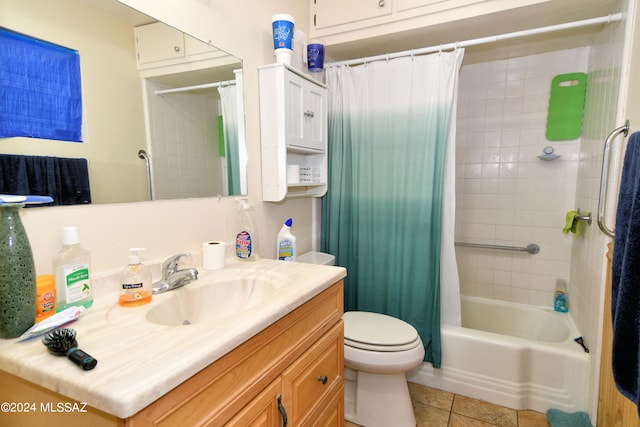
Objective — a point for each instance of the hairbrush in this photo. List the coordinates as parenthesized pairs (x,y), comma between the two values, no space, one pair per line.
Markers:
(62,342)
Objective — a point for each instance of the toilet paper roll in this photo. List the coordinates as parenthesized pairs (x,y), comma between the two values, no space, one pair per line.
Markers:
(213,254)
(293,174)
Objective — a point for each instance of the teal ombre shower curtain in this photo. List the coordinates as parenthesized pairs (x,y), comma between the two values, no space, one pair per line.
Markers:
(391,125)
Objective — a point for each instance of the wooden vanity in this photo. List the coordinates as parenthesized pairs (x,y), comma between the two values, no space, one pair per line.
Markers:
(293,367)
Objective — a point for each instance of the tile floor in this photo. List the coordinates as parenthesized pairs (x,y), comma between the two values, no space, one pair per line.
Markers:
(436,408)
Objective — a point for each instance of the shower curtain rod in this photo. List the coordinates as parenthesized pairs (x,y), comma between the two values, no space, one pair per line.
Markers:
(483,40)
(202,86)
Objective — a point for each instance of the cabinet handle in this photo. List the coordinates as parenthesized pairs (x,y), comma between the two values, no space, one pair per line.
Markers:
(176,48)
(309,114)
(283,412)
(380,3)
(323,379)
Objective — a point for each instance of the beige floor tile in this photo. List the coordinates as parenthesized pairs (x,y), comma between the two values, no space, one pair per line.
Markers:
(483,411)
(458,420)
(423,395)
(429,416)
(532,419)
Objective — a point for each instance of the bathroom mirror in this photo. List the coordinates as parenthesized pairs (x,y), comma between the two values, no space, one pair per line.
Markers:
(125,118)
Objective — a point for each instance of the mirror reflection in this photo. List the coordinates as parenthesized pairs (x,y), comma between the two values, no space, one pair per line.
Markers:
(163,112)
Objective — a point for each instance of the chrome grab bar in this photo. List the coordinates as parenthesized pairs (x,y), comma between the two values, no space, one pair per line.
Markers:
(604,176)
(144,156)
(531,248)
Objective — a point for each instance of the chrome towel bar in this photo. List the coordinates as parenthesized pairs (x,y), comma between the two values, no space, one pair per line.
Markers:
(531,248)
(604,176)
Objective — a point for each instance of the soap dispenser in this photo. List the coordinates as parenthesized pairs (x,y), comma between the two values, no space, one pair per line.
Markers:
(136,288)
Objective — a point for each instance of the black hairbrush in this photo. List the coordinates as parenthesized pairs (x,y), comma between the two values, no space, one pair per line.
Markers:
(62,342)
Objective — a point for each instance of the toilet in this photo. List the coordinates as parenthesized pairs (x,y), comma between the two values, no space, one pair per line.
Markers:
(378,351)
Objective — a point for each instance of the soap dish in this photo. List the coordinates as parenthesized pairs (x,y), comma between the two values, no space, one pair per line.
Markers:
(549,157)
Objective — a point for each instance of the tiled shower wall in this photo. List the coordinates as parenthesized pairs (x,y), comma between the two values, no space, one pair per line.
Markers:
(183,130)
(588,262)
(505,194)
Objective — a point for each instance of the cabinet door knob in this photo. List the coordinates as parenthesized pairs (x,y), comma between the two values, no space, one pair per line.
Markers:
(323,379)
(176,48)
(380,3)
(309,113)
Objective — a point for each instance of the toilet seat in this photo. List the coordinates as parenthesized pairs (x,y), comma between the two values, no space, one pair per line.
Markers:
(378,332)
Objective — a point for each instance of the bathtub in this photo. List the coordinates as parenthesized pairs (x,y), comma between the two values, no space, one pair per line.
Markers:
(514,355)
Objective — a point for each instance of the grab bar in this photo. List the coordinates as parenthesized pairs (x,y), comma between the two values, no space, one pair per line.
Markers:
(144,156)
(532,248)
(604,177)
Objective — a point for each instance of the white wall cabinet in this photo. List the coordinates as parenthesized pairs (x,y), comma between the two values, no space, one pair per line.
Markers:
(337,21)
(162,49)
(293,123)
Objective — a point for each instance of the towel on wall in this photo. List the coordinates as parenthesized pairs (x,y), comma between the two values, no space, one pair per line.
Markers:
(625,275)
(40,89)
(66,180)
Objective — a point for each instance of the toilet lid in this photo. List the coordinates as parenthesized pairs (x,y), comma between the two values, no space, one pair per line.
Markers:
(378,332)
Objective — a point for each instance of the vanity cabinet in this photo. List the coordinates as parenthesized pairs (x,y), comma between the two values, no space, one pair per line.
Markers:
(162,49)
(294,366)
(293,123)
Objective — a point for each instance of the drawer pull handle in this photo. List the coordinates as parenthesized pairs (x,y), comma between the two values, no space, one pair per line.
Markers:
(283,412)
(323,379)
(309,114)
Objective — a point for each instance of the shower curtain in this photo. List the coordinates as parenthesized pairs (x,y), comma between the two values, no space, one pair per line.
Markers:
(391,167)
(229,100)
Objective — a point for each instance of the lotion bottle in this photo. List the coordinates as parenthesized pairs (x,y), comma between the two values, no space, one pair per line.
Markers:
(72,268)
(135,284)
(286,247)
(246,244)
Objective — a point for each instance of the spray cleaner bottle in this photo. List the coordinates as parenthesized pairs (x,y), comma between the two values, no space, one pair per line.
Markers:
(286,247)
(246,243)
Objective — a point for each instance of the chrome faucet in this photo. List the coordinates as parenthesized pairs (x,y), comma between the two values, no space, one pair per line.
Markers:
(172,277)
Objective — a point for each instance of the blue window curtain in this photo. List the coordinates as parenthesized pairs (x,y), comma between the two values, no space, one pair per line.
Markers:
(40,89)
(389,131)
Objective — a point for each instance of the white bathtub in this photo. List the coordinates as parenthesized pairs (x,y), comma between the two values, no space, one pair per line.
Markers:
(514,355)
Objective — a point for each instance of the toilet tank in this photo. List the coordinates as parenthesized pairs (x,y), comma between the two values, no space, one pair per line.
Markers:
(316,258)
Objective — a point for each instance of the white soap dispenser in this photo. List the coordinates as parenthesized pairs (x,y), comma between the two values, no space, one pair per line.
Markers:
(136,287)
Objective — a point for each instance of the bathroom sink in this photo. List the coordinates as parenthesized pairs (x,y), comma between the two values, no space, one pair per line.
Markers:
(215,298)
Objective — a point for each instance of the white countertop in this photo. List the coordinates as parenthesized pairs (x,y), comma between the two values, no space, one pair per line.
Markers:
(140,361)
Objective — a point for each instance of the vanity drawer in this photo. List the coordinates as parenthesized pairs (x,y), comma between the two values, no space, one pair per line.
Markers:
(315,378)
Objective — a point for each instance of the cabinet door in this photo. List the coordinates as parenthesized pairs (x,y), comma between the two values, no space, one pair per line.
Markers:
(305,114)
(294,109)
(158,42)
(329,13)
(315,380)
(314,113)
(261,411)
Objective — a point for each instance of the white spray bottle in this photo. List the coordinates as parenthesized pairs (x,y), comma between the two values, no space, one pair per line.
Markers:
(246,243)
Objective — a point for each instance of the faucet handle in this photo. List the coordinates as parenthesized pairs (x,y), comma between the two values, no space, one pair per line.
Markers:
(170,266)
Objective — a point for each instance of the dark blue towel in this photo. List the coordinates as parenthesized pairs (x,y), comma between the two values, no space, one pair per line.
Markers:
(625,275)
(65,180)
